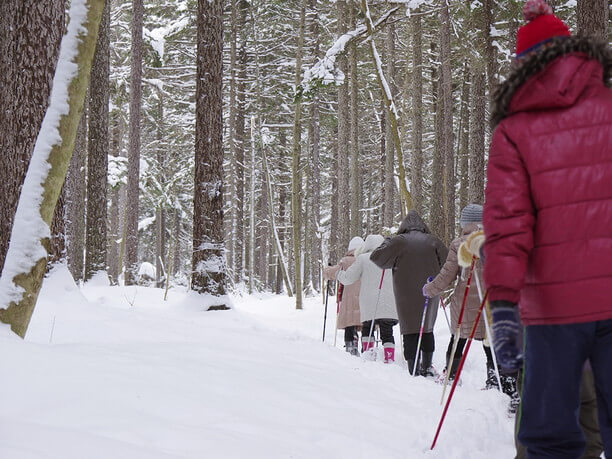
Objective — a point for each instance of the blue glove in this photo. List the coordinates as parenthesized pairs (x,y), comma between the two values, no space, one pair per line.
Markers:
(506,331)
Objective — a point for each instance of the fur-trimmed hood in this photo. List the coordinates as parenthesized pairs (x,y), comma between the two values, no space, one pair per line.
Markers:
(552,88)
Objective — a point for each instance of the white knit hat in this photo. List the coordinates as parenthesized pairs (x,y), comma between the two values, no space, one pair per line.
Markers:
(355,243)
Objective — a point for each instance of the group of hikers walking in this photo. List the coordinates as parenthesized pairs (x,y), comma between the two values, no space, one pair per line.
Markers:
(544,261)
(384,282)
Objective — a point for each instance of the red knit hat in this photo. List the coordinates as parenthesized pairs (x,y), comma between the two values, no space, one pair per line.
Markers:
(542,25)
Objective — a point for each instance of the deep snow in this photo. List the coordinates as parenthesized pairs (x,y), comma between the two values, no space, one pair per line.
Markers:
(116,372)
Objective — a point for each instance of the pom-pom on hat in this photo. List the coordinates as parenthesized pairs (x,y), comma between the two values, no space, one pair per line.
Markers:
(542,25)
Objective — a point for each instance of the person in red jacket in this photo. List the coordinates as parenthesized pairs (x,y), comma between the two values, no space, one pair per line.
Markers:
(548,225)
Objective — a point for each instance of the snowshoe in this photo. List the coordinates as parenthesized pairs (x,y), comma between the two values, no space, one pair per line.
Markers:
(491,381)
(442,376)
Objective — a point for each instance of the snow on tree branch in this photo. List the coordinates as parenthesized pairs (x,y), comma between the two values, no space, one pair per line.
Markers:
(324,72)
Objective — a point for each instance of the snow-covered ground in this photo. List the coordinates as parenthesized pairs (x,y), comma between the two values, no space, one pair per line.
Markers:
(116,372)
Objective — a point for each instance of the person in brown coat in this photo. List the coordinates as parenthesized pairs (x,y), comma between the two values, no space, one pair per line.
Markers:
(470,220)
(414,254)
(349,317)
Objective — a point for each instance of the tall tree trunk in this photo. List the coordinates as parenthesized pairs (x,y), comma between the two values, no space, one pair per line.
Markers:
(239,142)
(393,116)
(334,244)
(161,265)
(231,204)
(343,136)
(26,258)
(114,222)
(31,34)
(296,182)
(75,202)
(208,248)
(490,52)
(477,137)
(417,114)
(355,194)
(314,139)
(252,202)
(436,217)
(593,18)
(57,252)
(98,149)
(390,198)
(131,242)
(447,142)
(464,139)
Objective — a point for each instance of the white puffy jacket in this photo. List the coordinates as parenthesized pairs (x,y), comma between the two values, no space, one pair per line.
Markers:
(369,274)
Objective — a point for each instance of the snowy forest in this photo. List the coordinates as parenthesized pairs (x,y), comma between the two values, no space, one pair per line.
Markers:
(226,149)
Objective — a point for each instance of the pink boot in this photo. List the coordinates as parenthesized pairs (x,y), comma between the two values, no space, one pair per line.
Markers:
(366,344)
(389,352)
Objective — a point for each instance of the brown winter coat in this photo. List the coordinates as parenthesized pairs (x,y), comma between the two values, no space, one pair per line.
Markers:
(414,255)
(451,272)
(349,315)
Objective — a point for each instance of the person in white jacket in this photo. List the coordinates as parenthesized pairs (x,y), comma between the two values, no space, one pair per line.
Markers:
(376,301)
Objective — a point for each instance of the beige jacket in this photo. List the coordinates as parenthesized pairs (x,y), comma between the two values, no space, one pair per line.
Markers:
(451,272)
(349,315)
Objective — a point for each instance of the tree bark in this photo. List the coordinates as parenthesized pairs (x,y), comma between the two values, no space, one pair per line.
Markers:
(343,137)
(464,139)
(447,142)
(208,263)
(593,18)
(131,239)
(477,137)
(31,35)
(239,142)
(355,194)
(21,280)
(114,267)
(75,202)
(98,149)
(390,194)
(296,181)
(436,204)
(416,168)
(314,137)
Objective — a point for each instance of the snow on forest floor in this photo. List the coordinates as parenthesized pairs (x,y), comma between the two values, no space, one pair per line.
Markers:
(116,372)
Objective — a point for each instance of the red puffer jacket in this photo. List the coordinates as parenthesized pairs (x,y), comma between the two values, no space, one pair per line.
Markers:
(548,209)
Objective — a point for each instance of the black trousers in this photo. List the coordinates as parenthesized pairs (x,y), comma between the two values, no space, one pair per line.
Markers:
(350,334)
(461,346)
(411,340)
(384,325)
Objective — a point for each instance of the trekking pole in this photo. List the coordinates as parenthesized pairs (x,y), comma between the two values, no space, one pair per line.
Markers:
(489,336)
(416,358)
(457,331)
(382,276)
(459,368)
(325,315)
(450,329)
(337,313)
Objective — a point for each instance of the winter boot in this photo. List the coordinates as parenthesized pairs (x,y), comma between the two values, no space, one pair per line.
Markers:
(491,382)
(355,347)
(351,347)
(389,352)
(427,369)
(410,363)
(367,348)
(509,388)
